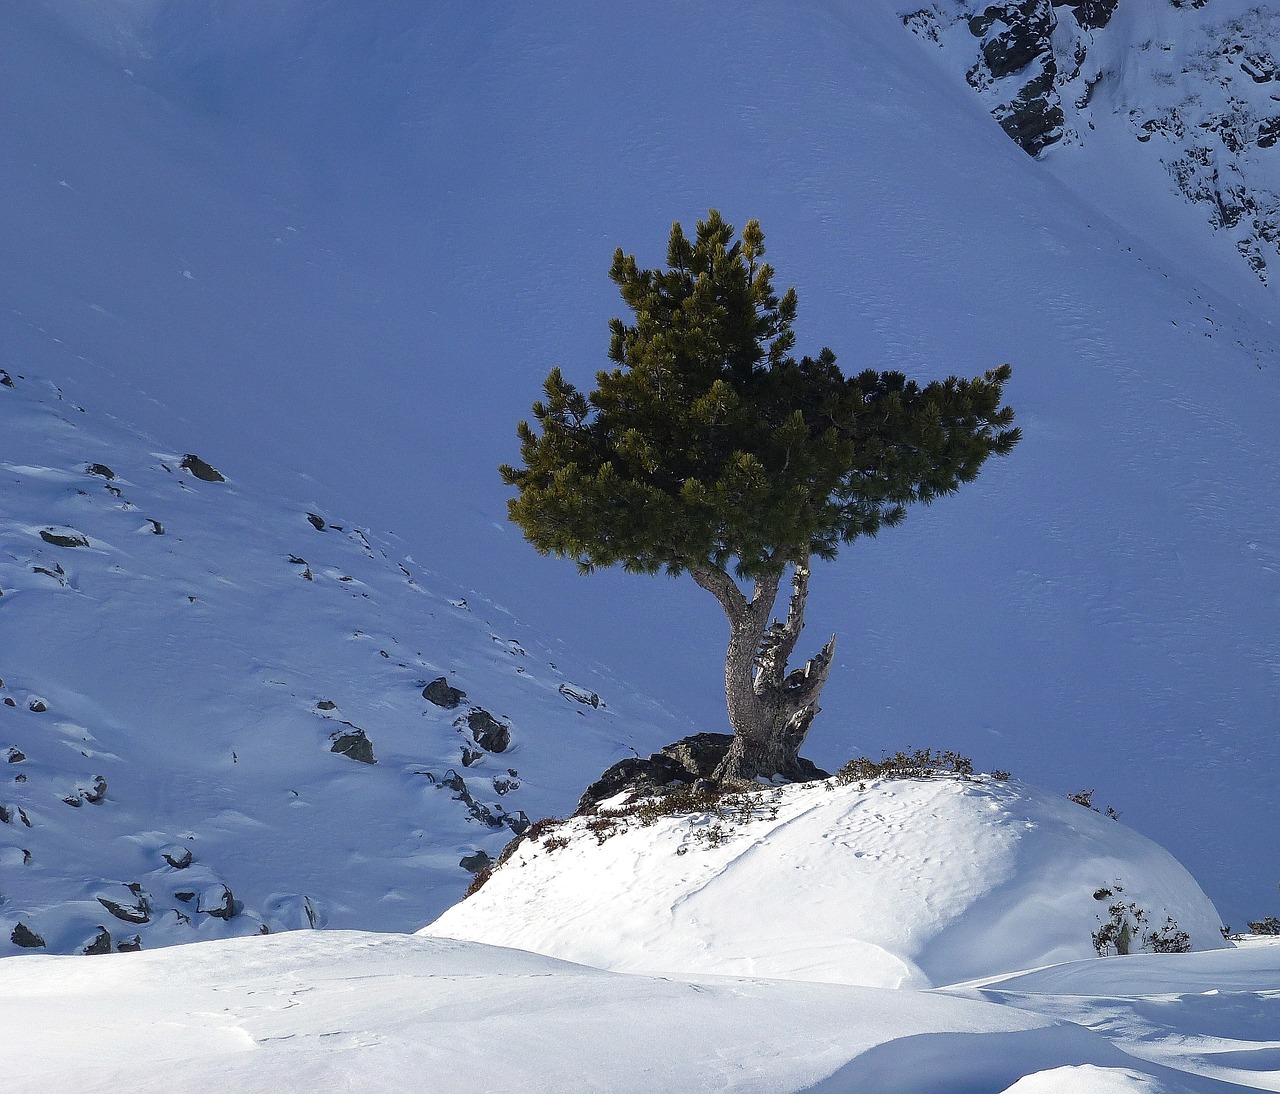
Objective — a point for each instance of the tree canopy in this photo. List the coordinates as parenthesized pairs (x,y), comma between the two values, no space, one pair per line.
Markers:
(708,444)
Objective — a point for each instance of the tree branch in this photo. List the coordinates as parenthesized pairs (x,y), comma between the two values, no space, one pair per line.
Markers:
(803,686)
(779,641)
(720,585)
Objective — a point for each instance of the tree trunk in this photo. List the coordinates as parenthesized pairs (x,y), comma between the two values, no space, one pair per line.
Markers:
(770,709)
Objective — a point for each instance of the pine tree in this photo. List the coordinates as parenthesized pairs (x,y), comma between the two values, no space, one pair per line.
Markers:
(709,450)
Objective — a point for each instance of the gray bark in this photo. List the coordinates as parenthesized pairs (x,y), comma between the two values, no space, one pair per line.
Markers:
(770,709)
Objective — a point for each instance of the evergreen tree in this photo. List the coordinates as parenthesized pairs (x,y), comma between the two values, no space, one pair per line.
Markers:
(709,449)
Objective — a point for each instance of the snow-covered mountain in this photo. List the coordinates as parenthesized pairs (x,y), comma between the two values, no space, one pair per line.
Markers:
(333,249)
(1196,83)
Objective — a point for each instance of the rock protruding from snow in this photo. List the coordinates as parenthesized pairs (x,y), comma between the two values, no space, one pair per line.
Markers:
(679,764)
(902,883)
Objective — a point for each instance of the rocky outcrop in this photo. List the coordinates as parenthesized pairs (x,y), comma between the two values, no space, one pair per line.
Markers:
(1203,101)
(1017,69)
(683,763)
(1090,14)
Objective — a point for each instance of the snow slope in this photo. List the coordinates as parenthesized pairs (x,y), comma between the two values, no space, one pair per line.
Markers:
(181,658)
(396,218)
(898,883)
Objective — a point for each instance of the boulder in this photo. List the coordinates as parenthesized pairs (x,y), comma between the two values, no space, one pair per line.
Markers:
(355,744)
(201,470)
(217,901)
(24,936)
(476,861)
(64,537)
(129,945)
(134,908)
(682,763)
(100,469)
(488,732)
(443,694)
(100,943)
(178,857)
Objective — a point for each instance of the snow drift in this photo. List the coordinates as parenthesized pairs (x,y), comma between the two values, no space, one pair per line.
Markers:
(905,883)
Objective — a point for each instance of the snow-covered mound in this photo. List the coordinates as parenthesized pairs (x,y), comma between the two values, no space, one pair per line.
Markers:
(222,713)
(897,883)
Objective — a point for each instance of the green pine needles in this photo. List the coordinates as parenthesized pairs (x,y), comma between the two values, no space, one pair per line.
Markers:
(709,448)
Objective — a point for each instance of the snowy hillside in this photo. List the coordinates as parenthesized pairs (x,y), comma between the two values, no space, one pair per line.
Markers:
(348,241)
(222,714)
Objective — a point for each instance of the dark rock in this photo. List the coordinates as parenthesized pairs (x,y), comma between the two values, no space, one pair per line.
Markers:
(476,861)
(37,706)
(518,822)
(100,469)
(66,538)
(1019,64)
(101,942)
(1090,14)
(326,704)
(356,745)
(488,732)
(99,791)
(443,694)
(157,529)
(203,471)
(8,701)
(184,895)
(129,945)
(5,816)
(687,761)
(16,755)
(471,755)
(1269,133)
(5,379)
(136,911)
(217,901)
(24,936)
(178,857)
(317,521)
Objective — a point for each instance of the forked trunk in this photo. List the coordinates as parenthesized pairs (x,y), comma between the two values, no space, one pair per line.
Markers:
(770,709)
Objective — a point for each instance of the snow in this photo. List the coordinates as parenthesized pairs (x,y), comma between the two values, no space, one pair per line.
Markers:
(899,884)
(330,1010)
